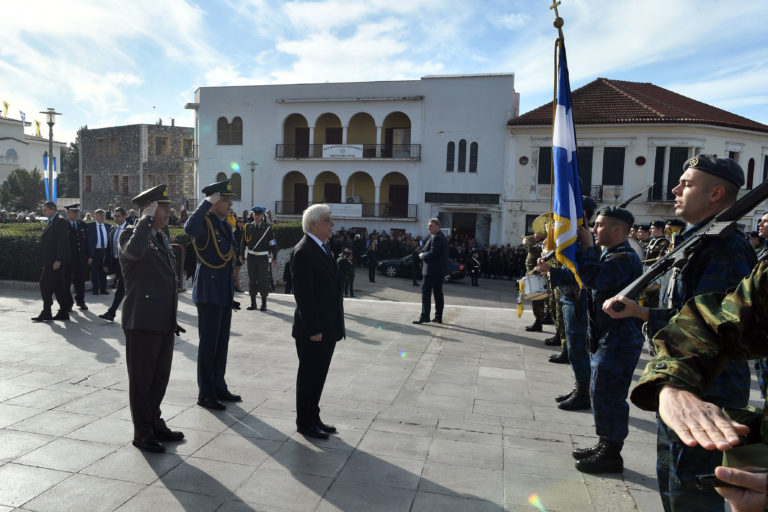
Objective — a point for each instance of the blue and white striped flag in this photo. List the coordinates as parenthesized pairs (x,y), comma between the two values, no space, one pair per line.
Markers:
(567,207)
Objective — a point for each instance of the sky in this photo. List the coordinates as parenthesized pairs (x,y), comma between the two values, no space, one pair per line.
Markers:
(110,62)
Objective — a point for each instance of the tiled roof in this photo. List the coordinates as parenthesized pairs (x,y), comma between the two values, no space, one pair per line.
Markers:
(605,101)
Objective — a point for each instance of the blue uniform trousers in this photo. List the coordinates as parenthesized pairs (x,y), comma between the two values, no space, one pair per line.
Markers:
(575,319)
(213,324)
(612,368)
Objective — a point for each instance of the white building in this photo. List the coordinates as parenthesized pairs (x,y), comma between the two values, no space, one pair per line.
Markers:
(19,150)
(633,137)
(387,155)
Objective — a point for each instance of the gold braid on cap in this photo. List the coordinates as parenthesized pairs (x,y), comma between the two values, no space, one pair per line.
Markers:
(225,258)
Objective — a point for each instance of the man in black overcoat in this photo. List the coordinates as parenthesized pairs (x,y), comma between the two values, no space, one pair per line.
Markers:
(54,245)
(78,263)
(318,322)
(435,259)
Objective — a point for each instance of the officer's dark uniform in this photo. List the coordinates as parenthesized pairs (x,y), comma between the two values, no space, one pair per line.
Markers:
(618,346)
(54,245)
(213,293)
(78,263)
(149,322)
(257,245)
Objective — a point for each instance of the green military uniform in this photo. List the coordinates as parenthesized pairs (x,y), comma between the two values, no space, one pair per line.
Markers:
(258,243)
(534,253)
(657,247)
(555,307)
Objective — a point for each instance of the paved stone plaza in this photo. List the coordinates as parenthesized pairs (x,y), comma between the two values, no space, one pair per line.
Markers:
(457,417)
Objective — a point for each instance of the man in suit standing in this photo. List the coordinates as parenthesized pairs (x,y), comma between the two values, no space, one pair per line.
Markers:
(435,258)
(213,292)
(54,244)
(78,244)
(112,261)
(149,317)
(98,237)
(318,322)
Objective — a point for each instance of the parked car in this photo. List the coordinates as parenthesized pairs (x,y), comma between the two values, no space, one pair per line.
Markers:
(403,267)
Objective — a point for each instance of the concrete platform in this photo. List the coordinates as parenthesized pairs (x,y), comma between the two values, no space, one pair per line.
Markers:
(452,417)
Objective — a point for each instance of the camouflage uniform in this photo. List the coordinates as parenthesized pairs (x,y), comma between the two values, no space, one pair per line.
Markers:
(656,248)
(555,306)
(619,342)
(531,259)
(720,265)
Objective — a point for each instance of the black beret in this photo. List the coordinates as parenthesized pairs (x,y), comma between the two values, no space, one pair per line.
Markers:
(158,193)
(724,168)
(617,213)
(676,222)
(657,224)
(754,234)
(222,187)
(589,204)
(644,227)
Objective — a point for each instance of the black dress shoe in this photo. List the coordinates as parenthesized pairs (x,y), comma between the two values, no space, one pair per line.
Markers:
(327,428)
(104,292)
(211,403)
(229,397)
(421,320)
(82,307)
(554,341)
(252,307)
(312,431)
(61,315)
(44,316)
(534,327)
(108,316)
(437,320)
(169,436)
(149,445)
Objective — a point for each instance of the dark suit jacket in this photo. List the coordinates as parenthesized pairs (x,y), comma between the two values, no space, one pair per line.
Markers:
(436,255)
(317,288)
(78,243)
(54,242)
(110,261)
(93,237)
(150,280)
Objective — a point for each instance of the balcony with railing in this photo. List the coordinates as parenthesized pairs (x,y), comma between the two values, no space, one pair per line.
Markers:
(349,151)
(661,193)
(369,210)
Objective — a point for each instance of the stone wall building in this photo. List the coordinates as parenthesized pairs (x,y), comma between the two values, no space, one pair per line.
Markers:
(118,162)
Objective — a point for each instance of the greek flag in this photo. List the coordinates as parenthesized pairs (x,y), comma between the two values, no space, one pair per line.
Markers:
(567,194)
(45,178)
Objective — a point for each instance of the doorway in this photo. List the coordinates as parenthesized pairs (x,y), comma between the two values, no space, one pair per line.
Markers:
(464,225)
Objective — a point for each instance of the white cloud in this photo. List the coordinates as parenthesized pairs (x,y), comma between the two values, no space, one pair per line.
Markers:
(511,21)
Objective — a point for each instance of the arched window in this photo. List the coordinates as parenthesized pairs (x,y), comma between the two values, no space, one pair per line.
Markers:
(462,155)
(11,156)
(473,157)
(450,157)
(236,132)
(236,185)
(222,131)
(220,176)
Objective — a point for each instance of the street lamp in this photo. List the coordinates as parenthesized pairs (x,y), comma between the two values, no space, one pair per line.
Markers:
(253,170)
(51,117)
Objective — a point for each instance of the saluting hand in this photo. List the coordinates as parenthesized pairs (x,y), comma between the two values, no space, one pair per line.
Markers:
(150,209)
(213,198)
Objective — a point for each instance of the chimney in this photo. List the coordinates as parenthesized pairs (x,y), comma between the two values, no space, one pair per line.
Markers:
(173,122)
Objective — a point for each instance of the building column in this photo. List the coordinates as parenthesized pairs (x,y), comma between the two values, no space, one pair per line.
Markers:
(344,134)
(311,135)
(378,150)
(343,193)
(597,165)
(310,194)
(665,175)
(376,198)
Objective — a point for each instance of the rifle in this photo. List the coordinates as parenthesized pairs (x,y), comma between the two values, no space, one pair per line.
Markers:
(625,203)
(721,225)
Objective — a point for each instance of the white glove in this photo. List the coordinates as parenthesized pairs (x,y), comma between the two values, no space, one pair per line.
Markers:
(213,198)
(150,209)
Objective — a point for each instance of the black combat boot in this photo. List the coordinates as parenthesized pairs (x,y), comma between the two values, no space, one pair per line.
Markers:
(44,316)
(263,304)
(534,327)
(605,459)
(561,358)
(554,341)
(560,398)
(547,320)
(252,307)
(578,400)
(583,453)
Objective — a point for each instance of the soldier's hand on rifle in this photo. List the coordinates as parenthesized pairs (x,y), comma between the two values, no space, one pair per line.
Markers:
(631,308)
(213,198)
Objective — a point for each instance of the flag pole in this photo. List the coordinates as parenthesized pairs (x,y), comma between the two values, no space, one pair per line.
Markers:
(558,23)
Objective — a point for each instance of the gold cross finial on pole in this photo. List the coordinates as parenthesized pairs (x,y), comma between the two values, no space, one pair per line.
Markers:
(558,23)
(554,5)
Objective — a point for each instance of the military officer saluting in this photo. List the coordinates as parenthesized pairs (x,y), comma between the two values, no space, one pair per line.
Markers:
(258,244)
(78,245)
(149,317)
(213,292)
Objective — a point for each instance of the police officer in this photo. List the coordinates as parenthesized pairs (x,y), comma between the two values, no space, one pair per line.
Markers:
(54,245)
(257,246)
(78,245)
(617,343)
(213,292)
(149,317)
(707,186)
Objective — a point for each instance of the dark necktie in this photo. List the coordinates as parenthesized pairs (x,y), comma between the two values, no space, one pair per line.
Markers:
(101,240)
(327,251)
(74,226)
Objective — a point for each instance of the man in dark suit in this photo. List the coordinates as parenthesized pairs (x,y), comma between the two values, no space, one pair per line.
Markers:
(435,258)
(78,244)
(54,244)
(98,239)
(149,317)
(318,322)
(213,292)
(112,261)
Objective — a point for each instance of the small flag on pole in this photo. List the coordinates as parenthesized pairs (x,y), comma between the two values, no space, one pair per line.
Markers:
(567,196)
(37,128)
(5,109)
(55,180)
(23,117)
(45,177)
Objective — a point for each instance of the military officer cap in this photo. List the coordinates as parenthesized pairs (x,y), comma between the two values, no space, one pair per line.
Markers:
(724,168)
(619,213)
(74,207)
(222,187)
(588,204)
(258,210)
(158,193)
(657,224)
